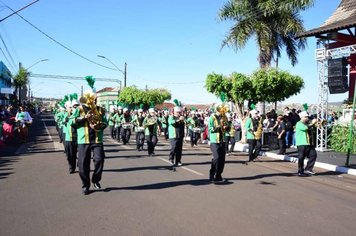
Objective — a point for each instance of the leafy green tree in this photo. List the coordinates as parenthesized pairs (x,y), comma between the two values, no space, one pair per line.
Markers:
(21,80)
(273,85)
(237,87)
(135,97)
(274,24)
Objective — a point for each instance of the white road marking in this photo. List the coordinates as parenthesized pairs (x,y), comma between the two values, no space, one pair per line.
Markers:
(182,167)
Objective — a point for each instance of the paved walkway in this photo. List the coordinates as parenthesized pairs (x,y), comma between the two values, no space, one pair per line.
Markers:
(333,161)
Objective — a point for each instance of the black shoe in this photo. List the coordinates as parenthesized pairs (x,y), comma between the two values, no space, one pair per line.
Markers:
(300,173)
(85,191)
(97,185)
(71,171)
(219,180)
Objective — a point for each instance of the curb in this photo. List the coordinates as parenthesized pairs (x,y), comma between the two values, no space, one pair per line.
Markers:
(244,148)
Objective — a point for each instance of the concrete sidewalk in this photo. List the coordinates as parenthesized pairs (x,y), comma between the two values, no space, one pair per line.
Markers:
(333,161)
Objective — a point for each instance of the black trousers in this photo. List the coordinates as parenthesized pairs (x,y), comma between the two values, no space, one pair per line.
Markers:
(113,132)
(254,148)
(175,154)
(140,140)
(282,145)
(194,136)
(84,157)
(303,152)
(218,161)
(118,133)
(125,135)
(151,143)
(229,139)
(71,148)
(165,132)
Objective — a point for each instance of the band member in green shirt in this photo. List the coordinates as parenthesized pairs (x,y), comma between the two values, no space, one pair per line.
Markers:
(151,125)
(176,125)
(91,122)
(193,128)
(217,127)
(305,143)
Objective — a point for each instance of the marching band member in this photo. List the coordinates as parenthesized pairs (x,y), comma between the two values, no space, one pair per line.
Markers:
(117,120)
(71,145)
(126,126)
(176,125)
(229,135)
(217,128)
(193,128)
(253,128)
(151,126)
(112,123)
(305,143)
(138,122)
(91,122)
(164,123)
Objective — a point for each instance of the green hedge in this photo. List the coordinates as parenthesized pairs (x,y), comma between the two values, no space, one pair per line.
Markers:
(339,138)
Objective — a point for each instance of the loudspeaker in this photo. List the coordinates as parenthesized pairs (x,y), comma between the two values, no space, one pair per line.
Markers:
(338,75)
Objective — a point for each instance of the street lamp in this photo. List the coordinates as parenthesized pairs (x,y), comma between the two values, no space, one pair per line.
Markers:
(37,63)
(29,84)
(117,68)
(80,89)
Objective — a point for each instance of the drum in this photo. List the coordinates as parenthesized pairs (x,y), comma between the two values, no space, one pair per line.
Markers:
(196,130)
(140,129)
(127,126)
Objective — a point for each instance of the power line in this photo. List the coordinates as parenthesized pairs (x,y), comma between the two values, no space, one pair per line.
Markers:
(64,77)
(7,50)
(6,58)
(57,42)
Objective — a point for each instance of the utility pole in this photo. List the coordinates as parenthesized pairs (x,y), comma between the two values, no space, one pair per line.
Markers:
(125,74)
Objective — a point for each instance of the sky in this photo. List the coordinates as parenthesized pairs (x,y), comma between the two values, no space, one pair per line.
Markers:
(166,44)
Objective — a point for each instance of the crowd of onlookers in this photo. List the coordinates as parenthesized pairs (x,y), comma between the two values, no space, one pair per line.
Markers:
(12,119)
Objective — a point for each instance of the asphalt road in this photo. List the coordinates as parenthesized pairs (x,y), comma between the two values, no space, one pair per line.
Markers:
(141,195)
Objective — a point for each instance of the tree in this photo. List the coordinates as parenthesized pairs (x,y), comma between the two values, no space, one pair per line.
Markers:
(273,85)
(274,24)
(20,80)
(237,87)
(135,97)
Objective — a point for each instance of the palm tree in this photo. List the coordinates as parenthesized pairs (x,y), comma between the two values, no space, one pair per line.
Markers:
(274,24)
(20,80)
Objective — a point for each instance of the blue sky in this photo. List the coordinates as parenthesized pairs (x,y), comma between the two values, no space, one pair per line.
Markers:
(166,44)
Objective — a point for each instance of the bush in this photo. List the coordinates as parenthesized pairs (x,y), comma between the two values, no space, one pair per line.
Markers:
(339,138)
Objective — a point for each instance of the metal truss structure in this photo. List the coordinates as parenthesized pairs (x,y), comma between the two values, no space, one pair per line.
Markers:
(322,56)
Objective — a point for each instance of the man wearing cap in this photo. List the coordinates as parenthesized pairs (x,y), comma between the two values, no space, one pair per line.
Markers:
(137,121)
(164,124)
(253,128)
(305,144)
(112,123)
(125,120)
(176,124)
(192,123)
(90,140)
(217,127)
(117,121)
(151,126)
(70,131)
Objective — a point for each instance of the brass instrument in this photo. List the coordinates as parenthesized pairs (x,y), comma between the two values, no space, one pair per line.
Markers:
(318,123)
(223,109)
(259,131)
(94,116)
(151,120)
